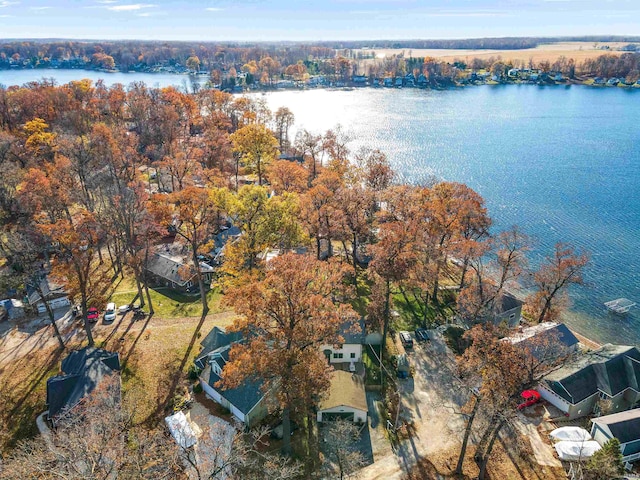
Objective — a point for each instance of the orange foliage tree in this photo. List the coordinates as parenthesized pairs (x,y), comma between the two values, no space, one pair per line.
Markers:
(286,317)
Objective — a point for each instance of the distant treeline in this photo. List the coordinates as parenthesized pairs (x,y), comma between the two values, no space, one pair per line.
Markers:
(249,64)
(503,43)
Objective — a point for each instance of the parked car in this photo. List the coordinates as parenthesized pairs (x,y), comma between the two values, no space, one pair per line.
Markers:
(422,335)
(93,314)
(405,338)
(110,312)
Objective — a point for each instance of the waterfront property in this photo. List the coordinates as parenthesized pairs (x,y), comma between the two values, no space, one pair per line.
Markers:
(507,310)
(610,374)
(548,340)
(625,426)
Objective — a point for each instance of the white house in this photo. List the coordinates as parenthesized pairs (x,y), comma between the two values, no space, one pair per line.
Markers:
(350,350)
(625,426)
(346,399)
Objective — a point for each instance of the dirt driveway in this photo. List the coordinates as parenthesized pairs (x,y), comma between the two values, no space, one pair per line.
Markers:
(430,403)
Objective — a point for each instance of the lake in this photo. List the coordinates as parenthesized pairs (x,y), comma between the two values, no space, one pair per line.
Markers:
(563,163)
(160,80)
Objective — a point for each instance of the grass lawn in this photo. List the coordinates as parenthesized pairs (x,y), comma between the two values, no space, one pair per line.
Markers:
(155,357)
(166,302)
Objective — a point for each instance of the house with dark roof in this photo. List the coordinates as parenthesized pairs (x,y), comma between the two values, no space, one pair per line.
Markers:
(82,371)
(625,426)
(247,402)
(507,310)
(177,273)
(346,399)
(610,373)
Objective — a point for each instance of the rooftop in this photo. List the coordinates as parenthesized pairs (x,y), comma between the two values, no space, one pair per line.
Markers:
(625,426)
(346,390)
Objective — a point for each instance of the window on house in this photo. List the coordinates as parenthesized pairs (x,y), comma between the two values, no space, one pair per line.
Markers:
(338,355)
(353,355)
(513,315)
(604,396)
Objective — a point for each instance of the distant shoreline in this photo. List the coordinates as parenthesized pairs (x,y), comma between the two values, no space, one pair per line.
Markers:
(201,80)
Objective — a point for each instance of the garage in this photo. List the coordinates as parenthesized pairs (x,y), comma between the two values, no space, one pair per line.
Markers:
(331,416)
(346,399)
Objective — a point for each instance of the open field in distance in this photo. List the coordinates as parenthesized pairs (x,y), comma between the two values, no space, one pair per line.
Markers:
(579,51)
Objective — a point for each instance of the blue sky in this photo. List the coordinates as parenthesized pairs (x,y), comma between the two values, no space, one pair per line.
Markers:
(272,20)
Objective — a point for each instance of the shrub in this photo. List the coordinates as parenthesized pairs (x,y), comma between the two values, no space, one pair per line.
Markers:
(197,388)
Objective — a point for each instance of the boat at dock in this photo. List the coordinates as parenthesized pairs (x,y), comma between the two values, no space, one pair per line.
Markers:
(620,305)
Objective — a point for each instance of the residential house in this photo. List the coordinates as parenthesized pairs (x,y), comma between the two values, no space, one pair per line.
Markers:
(398,82)
(346,399)
(610,373)
(599,81)
(507,310)
(625,426)
(53,294)
(11,309)
(388,82)
(513,72)
(612,82)
(549,339)
(354,337)
(177,273)
(422,80)
(82,371)
(247,402)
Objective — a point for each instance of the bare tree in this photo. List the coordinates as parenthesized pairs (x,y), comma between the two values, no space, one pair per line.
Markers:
(341,451)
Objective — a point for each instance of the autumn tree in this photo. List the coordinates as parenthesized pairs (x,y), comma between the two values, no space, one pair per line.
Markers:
(493,266)
(24,253)
(256,146)
(196,215)
(294,310)
(551,281)
(266,222)
(286,176)
(95,440)
(284,119)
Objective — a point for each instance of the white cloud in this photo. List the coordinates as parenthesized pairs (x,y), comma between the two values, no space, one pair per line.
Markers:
(213,9)
(107,1)
(39,9)
(7,3)
(131,7)
(462,13)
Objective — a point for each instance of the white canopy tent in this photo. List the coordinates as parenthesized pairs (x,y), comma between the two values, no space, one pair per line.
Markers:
(571,434)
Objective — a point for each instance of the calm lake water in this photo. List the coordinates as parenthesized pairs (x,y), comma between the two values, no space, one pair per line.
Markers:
(562,163)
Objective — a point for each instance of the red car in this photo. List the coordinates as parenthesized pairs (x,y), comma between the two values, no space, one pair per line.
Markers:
(93,314)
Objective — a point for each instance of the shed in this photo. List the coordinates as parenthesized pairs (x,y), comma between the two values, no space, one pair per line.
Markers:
(346,399)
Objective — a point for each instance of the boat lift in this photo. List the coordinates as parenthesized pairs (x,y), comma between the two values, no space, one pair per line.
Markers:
(620,305)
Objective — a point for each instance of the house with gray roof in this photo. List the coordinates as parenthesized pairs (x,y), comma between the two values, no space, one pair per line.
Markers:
(625,426)
(247,402)
(547,340)
(82,371)
(610,374)
(507,310)
(177,273)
